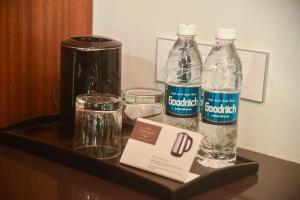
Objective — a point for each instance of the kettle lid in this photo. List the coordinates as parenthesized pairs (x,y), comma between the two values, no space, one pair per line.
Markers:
(91,43)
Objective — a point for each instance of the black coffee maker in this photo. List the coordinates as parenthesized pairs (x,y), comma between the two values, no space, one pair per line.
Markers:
(88,64)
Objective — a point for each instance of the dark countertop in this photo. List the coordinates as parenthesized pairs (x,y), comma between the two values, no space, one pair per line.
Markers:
(26,176)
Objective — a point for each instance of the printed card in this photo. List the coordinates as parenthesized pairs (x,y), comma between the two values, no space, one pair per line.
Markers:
(162,149)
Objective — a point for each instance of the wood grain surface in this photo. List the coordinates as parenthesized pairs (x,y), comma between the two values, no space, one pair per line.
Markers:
(30,36)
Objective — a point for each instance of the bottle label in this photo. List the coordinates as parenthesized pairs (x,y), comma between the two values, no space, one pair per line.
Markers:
(183,102)
(220,108)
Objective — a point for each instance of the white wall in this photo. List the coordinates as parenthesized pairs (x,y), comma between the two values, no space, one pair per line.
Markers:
(268,25)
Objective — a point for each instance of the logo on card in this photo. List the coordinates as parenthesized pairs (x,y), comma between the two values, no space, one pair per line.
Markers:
(182,144)
(144,132)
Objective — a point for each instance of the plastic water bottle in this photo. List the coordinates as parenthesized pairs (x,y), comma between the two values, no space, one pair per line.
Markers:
(221,86)
(182,86)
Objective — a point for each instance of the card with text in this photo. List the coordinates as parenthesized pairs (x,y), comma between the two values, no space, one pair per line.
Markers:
(162,149)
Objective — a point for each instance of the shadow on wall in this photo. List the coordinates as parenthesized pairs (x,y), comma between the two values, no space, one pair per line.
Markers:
(137,72)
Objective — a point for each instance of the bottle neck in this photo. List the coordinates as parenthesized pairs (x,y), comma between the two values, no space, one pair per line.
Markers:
(186,37)
(224,42)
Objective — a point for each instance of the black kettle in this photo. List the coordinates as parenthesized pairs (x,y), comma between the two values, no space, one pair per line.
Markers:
(88,64)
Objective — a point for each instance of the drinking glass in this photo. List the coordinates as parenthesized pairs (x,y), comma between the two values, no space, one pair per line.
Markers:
(98,125)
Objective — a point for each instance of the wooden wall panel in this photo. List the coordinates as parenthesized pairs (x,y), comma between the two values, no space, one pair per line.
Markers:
(30,36)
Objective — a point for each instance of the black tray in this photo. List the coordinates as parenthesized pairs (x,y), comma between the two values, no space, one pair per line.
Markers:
(41,136)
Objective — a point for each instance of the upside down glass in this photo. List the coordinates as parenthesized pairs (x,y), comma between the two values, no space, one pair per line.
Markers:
(98,125)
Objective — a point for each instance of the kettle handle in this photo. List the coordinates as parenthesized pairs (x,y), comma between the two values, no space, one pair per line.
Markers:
(55,96)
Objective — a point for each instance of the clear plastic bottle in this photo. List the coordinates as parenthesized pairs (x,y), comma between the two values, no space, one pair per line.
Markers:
(182,86)
(221,86)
